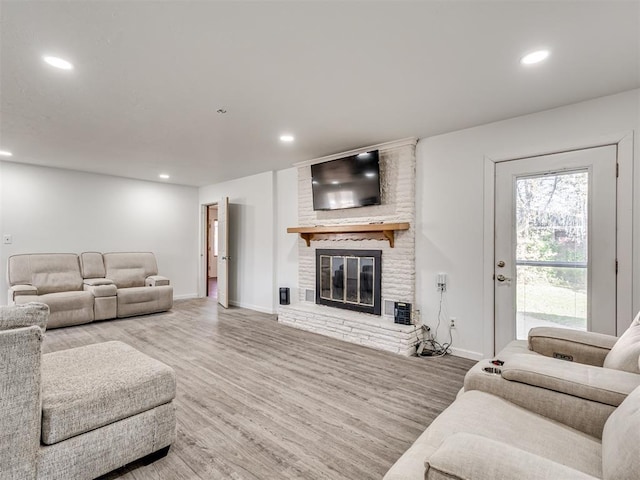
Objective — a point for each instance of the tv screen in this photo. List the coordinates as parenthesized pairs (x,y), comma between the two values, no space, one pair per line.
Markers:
(347,182)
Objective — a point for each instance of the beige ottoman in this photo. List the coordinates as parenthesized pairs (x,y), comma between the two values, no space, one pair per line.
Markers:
(103,406)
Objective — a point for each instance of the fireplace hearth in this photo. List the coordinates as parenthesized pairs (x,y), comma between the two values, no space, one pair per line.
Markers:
(349,279)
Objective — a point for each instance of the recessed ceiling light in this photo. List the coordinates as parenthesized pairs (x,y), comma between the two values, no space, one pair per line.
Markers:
(370,174)
(164,176)
(534,57)
(58,62)
(335,182)
(286,138)
(6,153)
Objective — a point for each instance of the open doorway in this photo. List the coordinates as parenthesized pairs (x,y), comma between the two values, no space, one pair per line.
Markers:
(212,251)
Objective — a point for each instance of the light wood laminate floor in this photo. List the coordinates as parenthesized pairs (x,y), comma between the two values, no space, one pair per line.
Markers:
(259,400)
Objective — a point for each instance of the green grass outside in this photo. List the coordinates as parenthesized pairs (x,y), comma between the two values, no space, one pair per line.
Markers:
(559,305)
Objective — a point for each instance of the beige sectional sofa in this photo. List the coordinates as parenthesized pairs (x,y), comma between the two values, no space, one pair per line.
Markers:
(598,372)
(484,437)
(78,413)
(565,405)
(90,286)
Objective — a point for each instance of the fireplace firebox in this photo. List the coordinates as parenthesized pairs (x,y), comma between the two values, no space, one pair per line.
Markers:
(349,279)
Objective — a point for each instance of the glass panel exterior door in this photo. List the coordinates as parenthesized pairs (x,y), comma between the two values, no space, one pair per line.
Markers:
(555,243)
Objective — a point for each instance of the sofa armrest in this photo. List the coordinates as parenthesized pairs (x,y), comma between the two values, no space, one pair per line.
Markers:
(156,281)
(465,456)
(574,345)
(95,282)
(25,315)
(18,290)
(602,385)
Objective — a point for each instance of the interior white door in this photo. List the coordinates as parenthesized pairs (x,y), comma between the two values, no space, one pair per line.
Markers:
(555,243)
(223,252)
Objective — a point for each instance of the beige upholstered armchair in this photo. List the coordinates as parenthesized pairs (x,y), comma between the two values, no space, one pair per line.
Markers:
(577,378)
(77,413)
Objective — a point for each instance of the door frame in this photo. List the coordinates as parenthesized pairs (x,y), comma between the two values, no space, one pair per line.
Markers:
(624,220)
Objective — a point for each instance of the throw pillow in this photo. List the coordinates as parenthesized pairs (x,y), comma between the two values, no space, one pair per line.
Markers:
(626,351)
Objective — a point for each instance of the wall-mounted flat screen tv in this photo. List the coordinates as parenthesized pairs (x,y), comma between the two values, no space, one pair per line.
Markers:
(347,182)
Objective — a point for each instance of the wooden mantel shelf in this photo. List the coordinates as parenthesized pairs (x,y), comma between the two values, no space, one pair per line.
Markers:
(387,229)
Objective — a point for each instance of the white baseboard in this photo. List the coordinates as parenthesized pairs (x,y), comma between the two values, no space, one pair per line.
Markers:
(186,296)
(257,308)
(459,352)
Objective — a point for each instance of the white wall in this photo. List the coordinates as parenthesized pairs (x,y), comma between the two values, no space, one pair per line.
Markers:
(54,210)
(287,243)
(252,269)
(450,210)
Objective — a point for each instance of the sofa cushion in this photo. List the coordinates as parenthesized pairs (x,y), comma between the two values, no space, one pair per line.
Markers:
(492,417)
(463,456)
(88,387)
(597,384)
(584,415)
(143,300)
(626,351)
(621,441)
(130,269)
(92,265)
(582,347)
(48,272)
(66,308)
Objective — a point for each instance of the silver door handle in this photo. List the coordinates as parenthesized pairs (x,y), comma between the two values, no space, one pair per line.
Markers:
(502,278)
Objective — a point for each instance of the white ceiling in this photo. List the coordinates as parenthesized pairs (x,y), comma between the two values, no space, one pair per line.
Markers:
(149,77)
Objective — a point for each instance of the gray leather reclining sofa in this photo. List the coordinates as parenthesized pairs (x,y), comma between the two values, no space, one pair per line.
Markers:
(91,286)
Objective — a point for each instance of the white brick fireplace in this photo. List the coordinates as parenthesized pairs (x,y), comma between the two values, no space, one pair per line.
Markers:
(397,182)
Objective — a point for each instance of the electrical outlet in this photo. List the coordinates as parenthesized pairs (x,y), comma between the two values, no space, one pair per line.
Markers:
(452,323)
(441,282)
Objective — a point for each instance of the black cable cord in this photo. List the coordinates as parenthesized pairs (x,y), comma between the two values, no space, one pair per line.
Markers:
(432,347)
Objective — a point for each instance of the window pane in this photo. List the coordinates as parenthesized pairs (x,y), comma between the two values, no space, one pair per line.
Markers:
(366,280)
(352,280)
(550,297)
(338,278)
(551,217)
(325,277)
